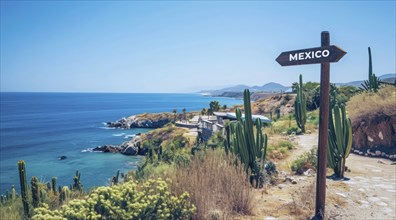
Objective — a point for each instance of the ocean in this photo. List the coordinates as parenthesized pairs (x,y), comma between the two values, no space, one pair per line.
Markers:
(40,127)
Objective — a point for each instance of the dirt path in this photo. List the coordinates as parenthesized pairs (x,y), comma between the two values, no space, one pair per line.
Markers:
(369,194)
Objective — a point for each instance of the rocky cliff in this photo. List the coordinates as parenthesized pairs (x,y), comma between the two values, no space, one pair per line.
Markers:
(149,120)
(140,144)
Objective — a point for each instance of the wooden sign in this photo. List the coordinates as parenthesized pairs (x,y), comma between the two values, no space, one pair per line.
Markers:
(310,56)
(323,55)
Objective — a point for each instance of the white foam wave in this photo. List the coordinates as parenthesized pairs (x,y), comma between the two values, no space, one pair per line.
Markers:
(87,150)
(107,128)
(119,134)
(90,150)
(130,136)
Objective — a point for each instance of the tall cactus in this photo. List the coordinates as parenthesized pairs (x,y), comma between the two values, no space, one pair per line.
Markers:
(24,187)
(35,191)
(53,185)
(300,109)
(114,180)
(340,139)
(64,194)
(77,184)
(242,142)
(373,82)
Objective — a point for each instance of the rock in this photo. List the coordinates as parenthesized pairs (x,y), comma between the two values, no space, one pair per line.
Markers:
(62,158)
(130,151)
(380,135)
(290,179)
(308,132)
(108,149)
(360,153)
(383,154)
(376,133)
(309,172)
(356,151)
(143,121)
(281,186)
(380,161)
(377,153)
(366,154)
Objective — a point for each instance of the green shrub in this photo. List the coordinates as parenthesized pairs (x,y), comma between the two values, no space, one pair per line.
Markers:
(305,162)
(148,200)
(285,144)
(292,129)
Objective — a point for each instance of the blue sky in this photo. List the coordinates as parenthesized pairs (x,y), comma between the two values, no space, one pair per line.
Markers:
(85,46)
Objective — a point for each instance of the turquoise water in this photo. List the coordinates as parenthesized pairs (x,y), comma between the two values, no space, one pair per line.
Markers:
(40,127)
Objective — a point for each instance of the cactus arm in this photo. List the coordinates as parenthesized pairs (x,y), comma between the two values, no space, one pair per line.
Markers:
(23,182)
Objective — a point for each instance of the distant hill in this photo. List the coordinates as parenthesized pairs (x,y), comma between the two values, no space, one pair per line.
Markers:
(269,87)
(387,76)
(390,77)
(273,87)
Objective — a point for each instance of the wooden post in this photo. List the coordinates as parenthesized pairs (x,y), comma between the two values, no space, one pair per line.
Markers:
(323,132)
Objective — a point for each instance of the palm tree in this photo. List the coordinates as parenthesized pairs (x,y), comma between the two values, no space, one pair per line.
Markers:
(174,111)
(214,106)
(203,111)
(224,107)
(184,114)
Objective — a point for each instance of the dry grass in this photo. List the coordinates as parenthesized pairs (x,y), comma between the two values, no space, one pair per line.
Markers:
(368,104)
(218,188)
(303,204)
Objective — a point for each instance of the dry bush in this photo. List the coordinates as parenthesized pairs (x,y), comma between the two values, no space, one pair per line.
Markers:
(217,187)
(303,203)
(369,104)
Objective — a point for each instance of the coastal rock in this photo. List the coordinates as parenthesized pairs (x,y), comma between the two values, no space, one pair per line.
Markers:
(62,158)
(130,151)
(157,120)
(108,149)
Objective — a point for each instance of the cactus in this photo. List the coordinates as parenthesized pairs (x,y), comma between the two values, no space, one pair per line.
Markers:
(77,184)
(114,180)
(53,185)
(13,193)
(278,113)
(300,109)
(24,187)
(373,82)
(64,194)
(35,191)
(242,142)
(43,195)
(340,139)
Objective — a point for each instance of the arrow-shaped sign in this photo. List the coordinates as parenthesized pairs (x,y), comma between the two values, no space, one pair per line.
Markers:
(312,55)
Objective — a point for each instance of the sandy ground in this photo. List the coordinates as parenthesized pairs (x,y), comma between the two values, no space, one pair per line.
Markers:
(369,194)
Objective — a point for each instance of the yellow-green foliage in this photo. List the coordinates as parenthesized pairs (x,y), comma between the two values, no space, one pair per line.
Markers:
(279,149)
(369,104)
(149,200)
(165,136)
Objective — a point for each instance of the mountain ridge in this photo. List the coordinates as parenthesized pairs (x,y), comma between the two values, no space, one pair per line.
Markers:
(273,87)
